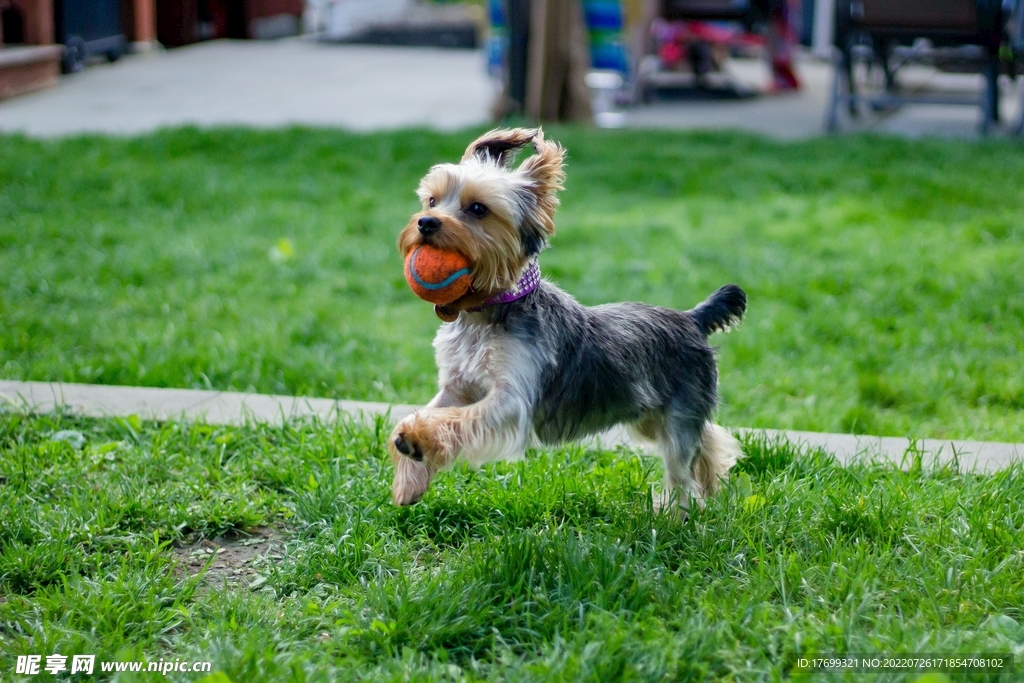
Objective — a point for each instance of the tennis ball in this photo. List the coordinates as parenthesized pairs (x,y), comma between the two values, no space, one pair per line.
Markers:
(437,275)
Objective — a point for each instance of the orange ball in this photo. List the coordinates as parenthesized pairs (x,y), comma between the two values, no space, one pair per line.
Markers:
(437,275)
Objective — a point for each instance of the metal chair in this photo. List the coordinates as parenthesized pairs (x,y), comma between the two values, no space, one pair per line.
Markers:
(1016,36)
(959,34)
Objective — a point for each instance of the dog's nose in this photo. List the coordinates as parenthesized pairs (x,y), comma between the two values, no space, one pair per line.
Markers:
(429,225)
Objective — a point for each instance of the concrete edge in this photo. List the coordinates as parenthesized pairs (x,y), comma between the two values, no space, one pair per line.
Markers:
(214,407)
(225,407)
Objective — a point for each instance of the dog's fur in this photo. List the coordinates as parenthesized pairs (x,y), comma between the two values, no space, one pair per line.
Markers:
(544,368)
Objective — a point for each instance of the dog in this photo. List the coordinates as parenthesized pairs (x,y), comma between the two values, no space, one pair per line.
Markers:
(520,362)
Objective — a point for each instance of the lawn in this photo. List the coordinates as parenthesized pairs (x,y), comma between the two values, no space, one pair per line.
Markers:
(884,275)
(551,569)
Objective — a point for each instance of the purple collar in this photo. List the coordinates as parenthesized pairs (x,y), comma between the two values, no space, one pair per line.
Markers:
(528,281)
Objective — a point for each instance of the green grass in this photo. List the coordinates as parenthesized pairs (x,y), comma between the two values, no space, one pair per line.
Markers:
(551,569)
(884,275)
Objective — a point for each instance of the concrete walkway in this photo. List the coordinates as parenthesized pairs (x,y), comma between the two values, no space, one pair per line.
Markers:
(262,84)
(222,407)
(301,81)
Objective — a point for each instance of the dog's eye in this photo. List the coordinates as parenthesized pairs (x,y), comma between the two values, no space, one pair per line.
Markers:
(477,209)
(431,202)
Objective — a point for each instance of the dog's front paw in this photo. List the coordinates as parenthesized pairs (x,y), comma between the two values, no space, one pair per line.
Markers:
(417,453)
(412,479)
(424,437)
(408,448)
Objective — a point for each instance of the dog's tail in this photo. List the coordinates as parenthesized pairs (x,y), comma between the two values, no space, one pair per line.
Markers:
(721,311)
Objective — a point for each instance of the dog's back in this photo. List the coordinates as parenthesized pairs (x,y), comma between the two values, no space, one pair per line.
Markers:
(618,363)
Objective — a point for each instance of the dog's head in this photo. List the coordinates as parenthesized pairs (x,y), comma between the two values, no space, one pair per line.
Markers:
(495,215)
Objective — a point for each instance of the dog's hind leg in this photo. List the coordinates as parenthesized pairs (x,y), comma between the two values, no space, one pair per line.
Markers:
(717,452)
(678,440)
(697,457)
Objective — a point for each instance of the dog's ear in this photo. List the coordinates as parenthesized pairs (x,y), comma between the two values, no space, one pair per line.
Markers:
(500,145)
(546,175)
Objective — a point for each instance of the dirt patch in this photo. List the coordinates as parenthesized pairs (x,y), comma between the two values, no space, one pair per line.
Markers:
(233,558)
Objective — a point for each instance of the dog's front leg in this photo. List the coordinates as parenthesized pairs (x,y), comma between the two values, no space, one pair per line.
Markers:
(412,473)
(431,439)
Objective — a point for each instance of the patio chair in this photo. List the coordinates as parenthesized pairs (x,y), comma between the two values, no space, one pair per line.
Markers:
(1016,35)
(955,35)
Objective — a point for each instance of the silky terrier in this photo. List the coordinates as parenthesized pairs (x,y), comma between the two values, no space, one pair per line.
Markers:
(521,362)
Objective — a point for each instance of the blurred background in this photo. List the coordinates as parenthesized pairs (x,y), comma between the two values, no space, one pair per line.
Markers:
(788,68)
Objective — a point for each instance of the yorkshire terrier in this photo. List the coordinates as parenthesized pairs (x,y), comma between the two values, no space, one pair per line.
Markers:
(521,362)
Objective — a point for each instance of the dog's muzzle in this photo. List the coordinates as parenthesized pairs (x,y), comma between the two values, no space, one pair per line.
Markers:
(428,225)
